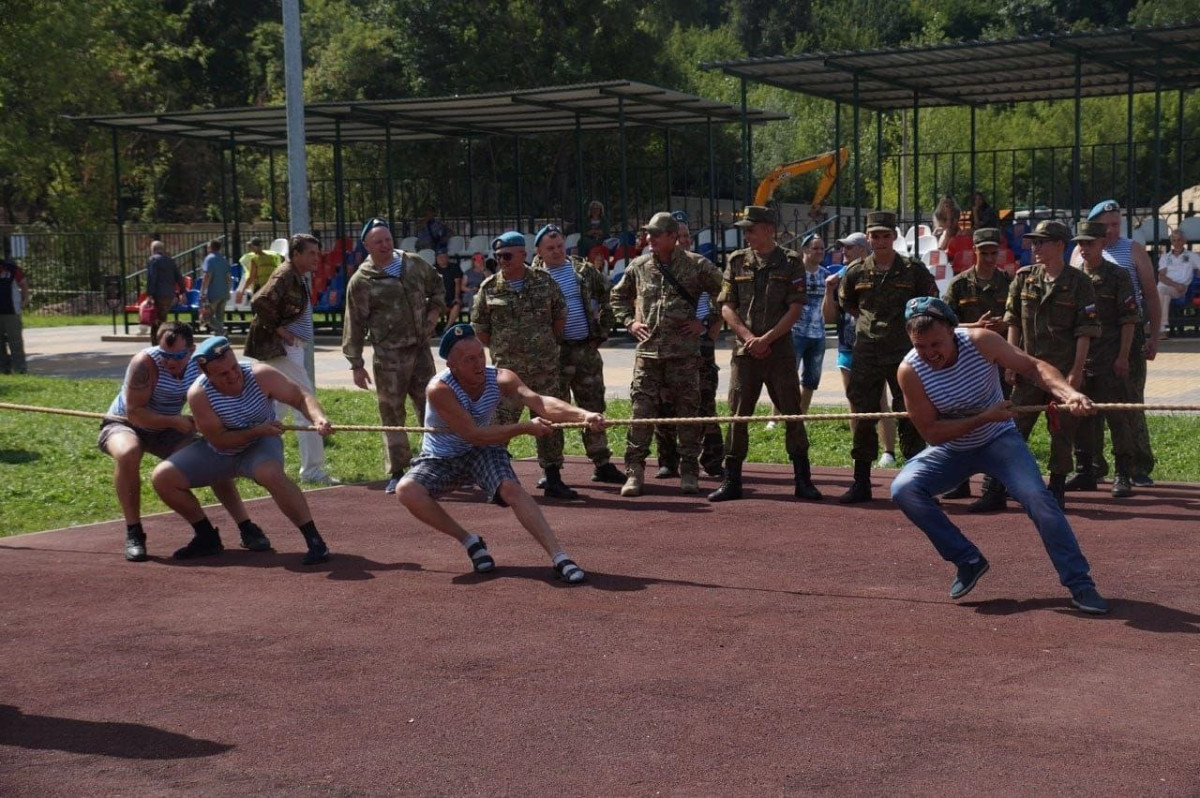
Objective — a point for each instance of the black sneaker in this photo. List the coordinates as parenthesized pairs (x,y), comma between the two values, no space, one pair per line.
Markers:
(393,482)
(608,473)
(135,547)
(1089,600)
(1142,481)
(968,575)
(254,539)
(316,554)
(200,547)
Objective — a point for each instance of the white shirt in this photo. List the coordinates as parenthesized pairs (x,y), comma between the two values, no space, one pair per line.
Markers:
(1180,268)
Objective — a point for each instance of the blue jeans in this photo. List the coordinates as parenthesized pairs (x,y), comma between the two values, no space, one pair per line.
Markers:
(937,469)
(810,357)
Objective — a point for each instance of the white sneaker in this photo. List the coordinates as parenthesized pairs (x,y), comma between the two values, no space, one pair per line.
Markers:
(772,424)
(322,479)
(888,460)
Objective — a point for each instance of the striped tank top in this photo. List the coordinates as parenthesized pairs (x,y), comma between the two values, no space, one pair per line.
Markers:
(248,409)
(967,388)
(447,444)
(1121,253)
(170,392)
(577,317)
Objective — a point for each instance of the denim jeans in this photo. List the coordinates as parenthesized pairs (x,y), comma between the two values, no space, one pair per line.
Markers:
(810,358)
(937,469)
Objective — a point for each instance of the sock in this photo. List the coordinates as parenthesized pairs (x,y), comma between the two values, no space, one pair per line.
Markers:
(470,540)
(204,529)
(311,536)
(246,526)
(134,529)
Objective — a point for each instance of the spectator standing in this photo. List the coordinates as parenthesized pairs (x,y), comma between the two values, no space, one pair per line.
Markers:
(985,214)
(257,266)
(216,283)
(1176,270)
(164,281)
(452,281)
(471,281)
(945,220)
(960,250)
(432,234)
(808,333)
(14,296)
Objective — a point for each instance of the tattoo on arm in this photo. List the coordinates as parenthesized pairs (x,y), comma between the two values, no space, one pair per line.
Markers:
(139,377)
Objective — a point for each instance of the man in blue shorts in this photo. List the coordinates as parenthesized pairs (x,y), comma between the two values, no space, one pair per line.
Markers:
(462,398)
(232,405)
(952,392)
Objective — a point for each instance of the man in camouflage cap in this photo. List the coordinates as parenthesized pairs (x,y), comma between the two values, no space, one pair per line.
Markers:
(876,289)
(1051,315)
(393,302)
(1108,367)
(761,299)
(656,301)
(978,297)
(520,314)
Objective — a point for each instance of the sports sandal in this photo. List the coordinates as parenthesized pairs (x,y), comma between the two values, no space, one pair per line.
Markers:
(480,559)
(569,572)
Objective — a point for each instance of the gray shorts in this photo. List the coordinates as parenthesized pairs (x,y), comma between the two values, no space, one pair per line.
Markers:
(161,443)
(203,465)
(485,466)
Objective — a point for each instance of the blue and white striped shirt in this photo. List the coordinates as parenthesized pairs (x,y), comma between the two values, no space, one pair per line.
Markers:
(302,326)
(577,319)
(967,388)
(447,444)
(703,306)
(811,323)
(169,394)
(1120,252)
(248,409)
(396,267)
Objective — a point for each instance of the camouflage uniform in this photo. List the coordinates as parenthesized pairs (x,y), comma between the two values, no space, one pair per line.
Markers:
(522,340)
(580,367)
(392,316)
(878,298)
(1115,307)
(1050,316)
(761,290)
(712,450)
(665,362)
(970,297)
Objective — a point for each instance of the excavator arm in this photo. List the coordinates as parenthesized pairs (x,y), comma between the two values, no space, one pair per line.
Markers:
(832,162)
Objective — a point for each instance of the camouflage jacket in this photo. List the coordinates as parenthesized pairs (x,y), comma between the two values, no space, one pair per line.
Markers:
(762,290)
(520,322)
(278,304)
(1116,306)
(593,290)
(970,296)
(390,313)
(645,295)
(1051,314)
(878,298)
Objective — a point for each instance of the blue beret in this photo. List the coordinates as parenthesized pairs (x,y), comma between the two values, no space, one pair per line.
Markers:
(211,349)
(371,225)
(510,239)
(930,306)
(1100,208)
(453,334)
(545,231)
(680,216)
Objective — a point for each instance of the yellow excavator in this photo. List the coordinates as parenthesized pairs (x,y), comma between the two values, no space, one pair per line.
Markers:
(832,162)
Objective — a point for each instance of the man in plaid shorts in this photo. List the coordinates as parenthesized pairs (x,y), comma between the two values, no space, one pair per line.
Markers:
(462,399)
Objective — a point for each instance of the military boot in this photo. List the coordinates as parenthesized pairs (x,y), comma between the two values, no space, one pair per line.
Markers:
(993,497)
(1084,477)
(555,488)
(1058,487)
(635,476)
(731,486)
(805,489)
(860,490)
(712,454)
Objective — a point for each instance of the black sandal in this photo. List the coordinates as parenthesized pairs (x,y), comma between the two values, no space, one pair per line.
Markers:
(569,572)
(480,559)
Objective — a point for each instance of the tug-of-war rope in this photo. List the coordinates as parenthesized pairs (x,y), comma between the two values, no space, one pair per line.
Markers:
(1052,409)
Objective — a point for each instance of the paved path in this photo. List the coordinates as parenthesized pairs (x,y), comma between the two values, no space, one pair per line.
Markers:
(79,352)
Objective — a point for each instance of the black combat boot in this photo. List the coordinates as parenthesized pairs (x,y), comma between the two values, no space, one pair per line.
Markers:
(1084,477)
(860,491)
(135,544)
(712,454)
(992,500)
(1058,487)
(805,489)
(960,491)
(731,486)
(555,488)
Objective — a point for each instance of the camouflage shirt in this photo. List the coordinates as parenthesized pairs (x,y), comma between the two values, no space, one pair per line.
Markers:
(761,289)
(878,297)
(645,295)
(390,313)
(519,322)
(970,296)
(593,290)
(1051,314)
(1116,306)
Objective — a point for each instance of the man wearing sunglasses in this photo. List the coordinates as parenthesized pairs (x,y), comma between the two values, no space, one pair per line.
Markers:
(232,405)
(393,302)
(520,314)
(145,417)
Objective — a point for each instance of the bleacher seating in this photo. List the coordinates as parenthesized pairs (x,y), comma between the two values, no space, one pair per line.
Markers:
(1185,311)
(572,241)
(456,246)
(408,244)
(732,239)
(477,244)
(1190,227)
(426,255)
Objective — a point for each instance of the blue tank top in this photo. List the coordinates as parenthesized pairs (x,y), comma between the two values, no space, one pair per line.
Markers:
(248,409)
(967,388)
(447,444)
(170,392)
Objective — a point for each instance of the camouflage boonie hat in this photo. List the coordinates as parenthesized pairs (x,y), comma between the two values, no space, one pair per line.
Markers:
(987,237)
(1090,231)
(1050,230)
(661,222)
(881,220)
(755,214)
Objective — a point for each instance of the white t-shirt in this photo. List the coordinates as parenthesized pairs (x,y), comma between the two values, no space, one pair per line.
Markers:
(1180,268)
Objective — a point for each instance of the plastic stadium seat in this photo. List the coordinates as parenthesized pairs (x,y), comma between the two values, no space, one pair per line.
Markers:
(408,244)
(1190,227)
(925,245)
(572,241)
(937,261)
(477,244)
(280,247)
(704,237)
(732,238)
(427,255)
(456,246)
(1147,231)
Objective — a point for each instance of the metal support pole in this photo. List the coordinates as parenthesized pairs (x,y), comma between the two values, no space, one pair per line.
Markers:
(712,181)
(339,197)
(1179,161)
(235,249)
(120,217)
(1157,201)
(470,187)
(224,204)
(974,185)
(916,158)
(667,164)
(580,214)
(299,220)
(857,159)
(837,182)
(519,186)
(749,192)
(878,160)
(387,169)
(624,167)
(1130,173)
(274,205)
(1076,162)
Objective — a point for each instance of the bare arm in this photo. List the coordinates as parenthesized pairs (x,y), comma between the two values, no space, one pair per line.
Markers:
(140,379)
(546,407)
(277,386)
(24,286)
(829,305)
(1008,356)
(1145,277)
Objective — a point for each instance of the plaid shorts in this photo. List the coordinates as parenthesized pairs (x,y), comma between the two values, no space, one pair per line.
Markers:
(485,466)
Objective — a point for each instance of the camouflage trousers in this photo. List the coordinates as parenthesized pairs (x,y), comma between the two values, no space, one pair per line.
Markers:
(1062,441)
(400,374)
(550,447)
(581,377)
(654,378)
(747,377)
(1142,460)
(1089,438)
(868,375)
(712,447)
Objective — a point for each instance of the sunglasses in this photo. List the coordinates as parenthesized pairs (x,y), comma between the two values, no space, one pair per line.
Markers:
(182,354)
(213,355)
(505,256)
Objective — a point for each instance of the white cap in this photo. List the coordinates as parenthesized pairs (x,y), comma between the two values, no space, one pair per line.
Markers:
(855,240)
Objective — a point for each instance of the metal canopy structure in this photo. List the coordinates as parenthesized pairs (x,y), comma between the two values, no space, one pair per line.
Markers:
(988,73)
(602,106)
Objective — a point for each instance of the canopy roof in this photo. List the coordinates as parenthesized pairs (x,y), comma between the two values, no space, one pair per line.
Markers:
(984,73)
(554,109)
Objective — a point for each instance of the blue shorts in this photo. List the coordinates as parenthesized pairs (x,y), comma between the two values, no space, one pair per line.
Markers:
(485,466)
(845,359)
(203,465)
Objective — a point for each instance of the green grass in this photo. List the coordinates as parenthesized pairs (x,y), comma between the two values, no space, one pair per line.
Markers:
(35,320)
(54,476)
